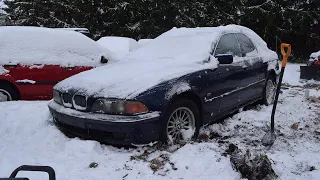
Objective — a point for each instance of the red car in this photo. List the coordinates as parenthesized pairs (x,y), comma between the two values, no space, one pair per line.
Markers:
(34,59)
(314,59)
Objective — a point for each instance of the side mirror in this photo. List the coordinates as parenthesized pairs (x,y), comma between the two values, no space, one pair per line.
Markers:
(104,60)
(225,58)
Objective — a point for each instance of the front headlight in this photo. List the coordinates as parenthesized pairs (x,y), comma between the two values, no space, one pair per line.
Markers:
(118,107)
(57,97)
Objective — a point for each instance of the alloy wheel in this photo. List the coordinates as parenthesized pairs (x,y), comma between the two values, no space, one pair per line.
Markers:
(270,92)
(5,96)
(181,125)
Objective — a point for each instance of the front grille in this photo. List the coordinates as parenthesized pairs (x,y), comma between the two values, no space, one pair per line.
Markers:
(67,100)
(80,102)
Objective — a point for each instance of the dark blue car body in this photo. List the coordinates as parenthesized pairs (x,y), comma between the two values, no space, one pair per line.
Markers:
(216,92)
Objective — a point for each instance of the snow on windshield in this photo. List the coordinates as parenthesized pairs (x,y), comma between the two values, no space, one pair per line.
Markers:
(35,45)
(179,48)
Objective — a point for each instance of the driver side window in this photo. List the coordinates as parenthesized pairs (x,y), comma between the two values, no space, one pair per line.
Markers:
(228,44)
(246,44)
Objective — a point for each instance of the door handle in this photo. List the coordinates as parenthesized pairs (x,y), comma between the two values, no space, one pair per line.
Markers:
(10,66)
(68,68)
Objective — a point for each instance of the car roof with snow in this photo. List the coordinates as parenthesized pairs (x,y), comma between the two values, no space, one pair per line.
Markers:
(120,45)
(173,54)
(314,56)
(197,43)
(38,45)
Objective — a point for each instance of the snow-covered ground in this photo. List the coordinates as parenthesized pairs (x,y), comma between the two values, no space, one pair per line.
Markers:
(28,136)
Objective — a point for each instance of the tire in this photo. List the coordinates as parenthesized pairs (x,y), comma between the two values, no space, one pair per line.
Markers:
(177,108)
(267,92)
(8,93)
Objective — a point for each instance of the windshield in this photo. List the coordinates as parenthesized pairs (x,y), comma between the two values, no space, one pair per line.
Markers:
(177,47)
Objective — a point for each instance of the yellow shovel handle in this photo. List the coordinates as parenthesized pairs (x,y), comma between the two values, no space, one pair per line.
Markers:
(285,54)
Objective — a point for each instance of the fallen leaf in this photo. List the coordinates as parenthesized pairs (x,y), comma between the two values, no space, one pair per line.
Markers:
(315,100)
(295,126)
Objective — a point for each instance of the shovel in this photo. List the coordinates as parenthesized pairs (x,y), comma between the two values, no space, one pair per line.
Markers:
(269,138)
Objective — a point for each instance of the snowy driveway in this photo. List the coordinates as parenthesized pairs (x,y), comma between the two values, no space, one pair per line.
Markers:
(28,136)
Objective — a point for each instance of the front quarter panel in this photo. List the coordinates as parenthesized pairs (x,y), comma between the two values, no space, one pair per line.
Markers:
(160,96)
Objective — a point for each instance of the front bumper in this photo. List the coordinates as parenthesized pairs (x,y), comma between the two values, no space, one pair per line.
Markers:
(110,129)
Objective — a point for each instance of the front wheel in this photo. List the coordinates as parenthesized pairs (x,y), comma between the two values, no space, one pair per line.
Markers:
(269,91)
(7,93)
(181,122)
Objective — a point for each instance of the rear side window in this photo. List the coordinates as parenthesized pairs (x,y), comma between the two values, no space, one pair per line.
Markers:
(228,44)
(245,43)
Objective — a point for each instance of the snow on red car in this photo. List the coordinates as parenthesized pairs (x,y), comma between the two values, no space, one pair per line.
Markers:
(119,45)
(314,59)
(34,59)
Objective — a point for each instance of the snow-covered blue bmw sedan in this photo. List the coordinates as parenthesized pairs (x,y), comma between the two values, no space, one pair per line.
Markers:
(166,90)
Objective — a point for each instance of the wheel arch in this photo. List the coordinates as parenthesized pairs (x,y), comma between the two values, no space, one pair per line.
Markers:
(12,85)
(194,97)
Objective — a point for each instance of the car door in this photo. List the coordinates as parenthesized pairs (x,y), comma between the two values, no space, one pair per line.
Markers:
(226,79)
(254,68)
(34,81)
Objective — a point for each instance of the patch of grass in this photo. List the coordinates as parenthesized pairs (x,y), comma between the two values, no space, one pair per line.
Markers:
(156,164)
(141,157)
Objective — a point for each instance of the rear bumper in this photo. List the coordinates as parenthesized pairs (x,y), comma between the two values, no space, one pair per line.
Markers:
(110,129)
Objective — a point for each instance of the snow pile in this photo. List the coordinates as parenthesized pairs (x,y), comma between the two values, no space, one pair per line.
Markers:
(314,93)
(120,45)
(187,134)
(3,70)
(31,138)
(292,76)
(35,45)
(171,55)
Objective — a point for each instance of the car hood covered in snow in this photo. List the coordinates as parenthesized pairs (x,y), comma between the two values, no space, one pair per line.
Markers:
(173,54)
(37,45)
